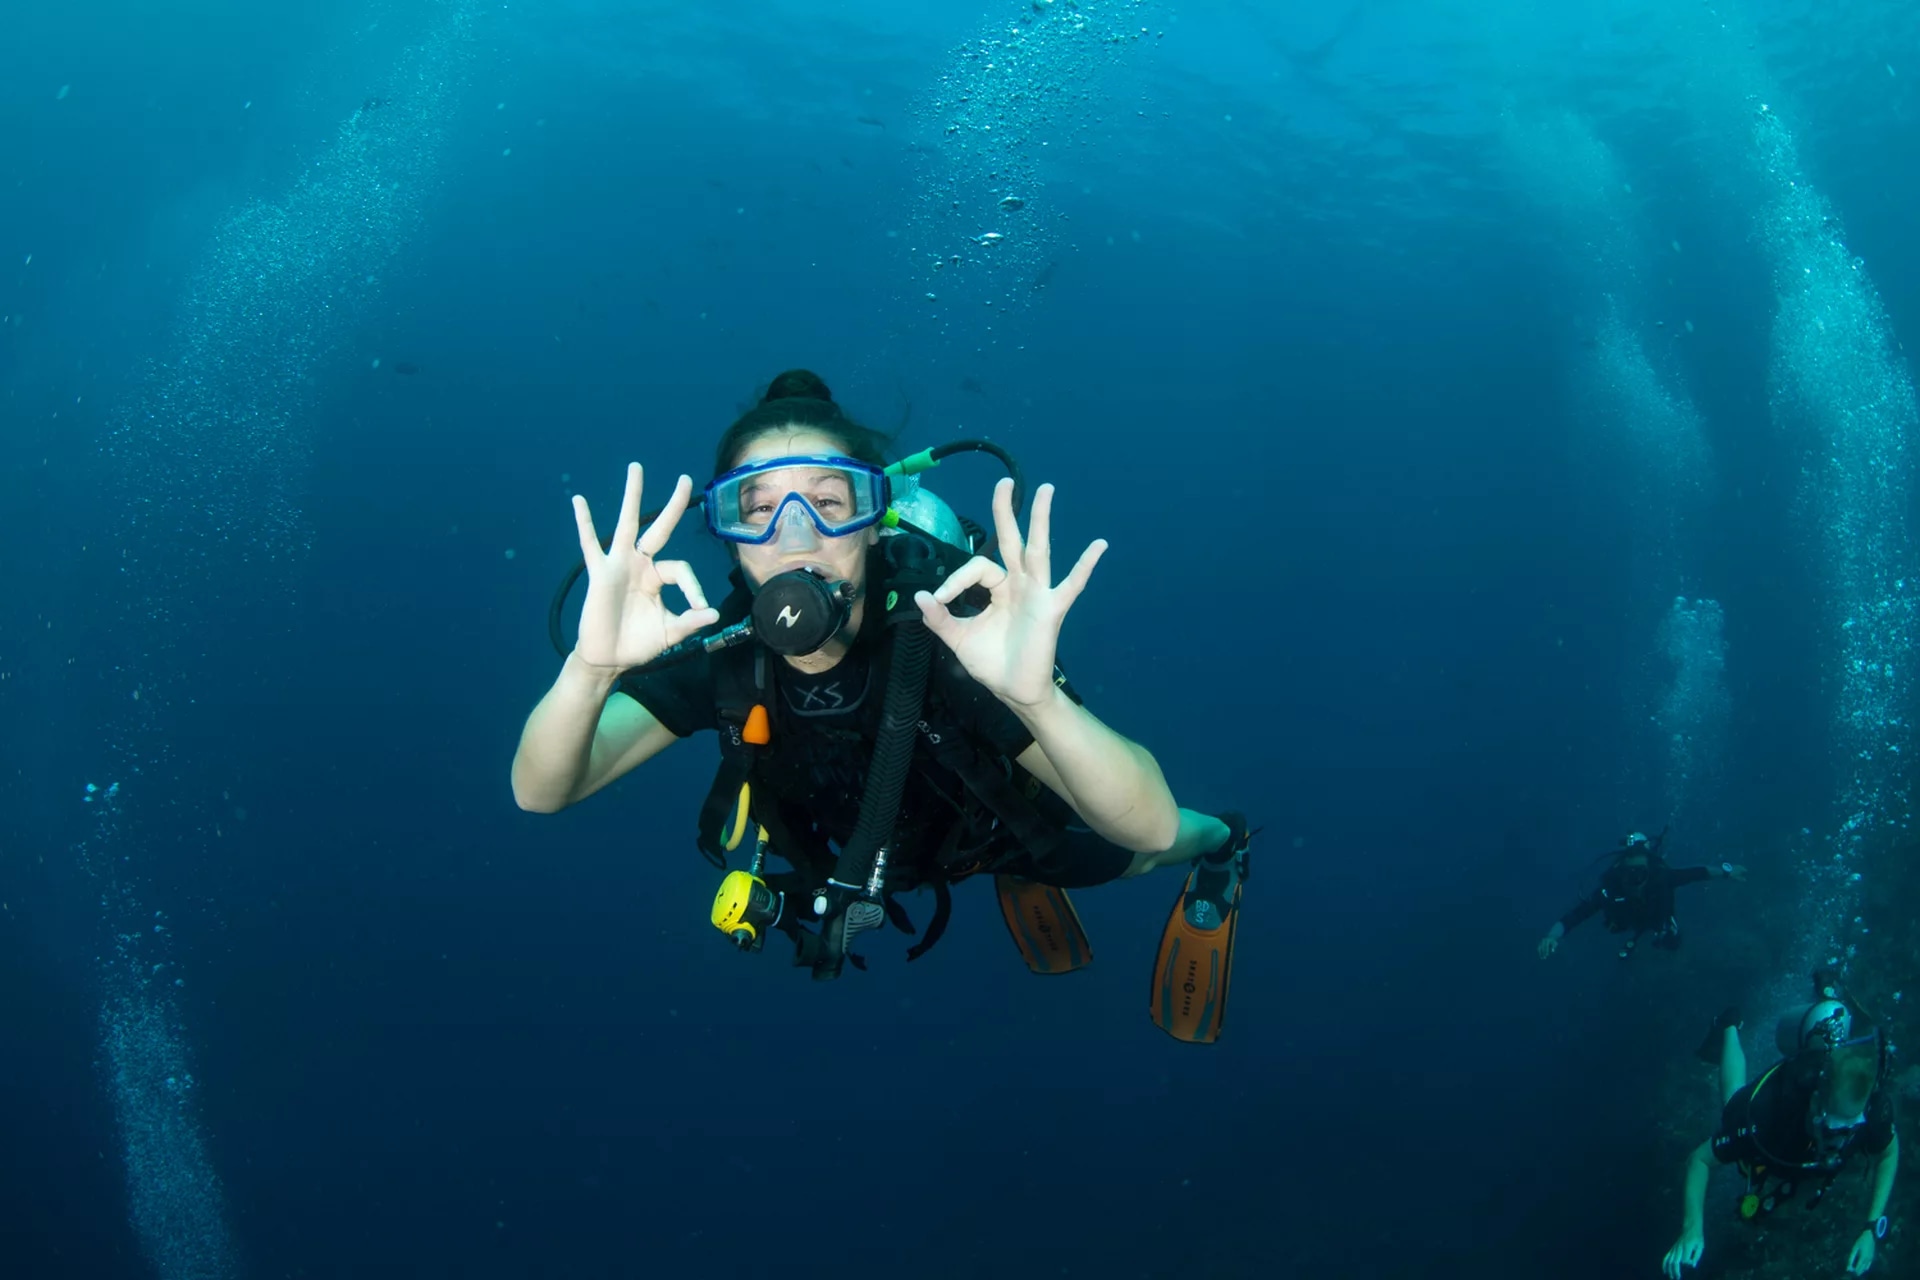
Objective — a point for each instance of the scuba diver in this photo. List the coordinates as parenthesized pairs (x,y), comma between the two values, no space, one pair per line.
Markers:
(888,706)
(1635,896)
(1794,1128)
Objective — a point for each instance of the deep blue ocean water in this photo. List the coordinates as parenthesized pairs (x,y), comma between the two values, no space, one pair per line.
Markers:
(1322,318)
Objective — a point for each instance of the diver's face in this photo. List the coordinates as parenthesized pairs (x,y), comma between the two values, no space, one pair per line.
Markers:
(798,544)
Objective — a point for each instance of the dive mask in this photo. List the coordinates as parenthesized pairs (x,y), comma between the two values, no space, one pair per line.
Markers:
(839,495)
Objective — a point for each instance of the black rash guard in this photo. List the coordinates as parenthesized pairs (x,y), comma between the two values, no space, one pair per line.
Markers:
(1765,1124)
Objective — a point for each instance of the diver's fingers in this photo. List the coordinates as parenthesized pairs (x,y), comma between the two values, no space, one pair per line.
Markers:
(1039,557)
(681,625)
(977,572)
(678,573)
(939,620)
(627,527)
(1005,528)
(1076,582)
(654,540)
(589,540)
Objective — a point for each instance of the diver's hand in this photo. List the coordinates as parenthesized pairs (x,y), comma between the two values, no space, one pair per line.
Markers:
(624,622)
(1009,646)
(1686,1252)
(1736,872)
(1548,945)
(1862,1256)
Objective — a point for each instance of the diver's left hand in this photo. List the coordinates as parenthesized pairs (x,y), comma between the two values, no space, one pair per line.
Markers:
(1009,646)
(1736,872)
(1862,1256)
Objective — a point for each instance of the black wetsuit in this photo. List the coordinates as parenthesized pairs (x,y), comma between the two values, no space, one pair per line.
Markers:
(821,743)
(1649,909)
(1763,1128)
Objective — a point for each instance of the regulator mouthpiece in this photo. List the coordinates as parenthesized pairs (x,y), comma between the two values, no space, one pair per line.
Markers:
(798,611)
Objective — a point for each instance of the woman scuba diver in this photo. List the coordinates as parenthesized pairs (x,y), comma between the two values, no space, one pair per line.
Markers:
(889,709)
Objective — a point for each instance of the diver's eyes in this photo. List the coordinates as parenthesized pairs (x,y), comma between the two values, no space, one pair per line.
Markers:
(760,510)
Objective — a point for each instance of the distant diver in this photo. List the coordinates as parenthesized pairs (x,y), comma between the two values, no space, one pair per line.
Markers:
(407,367)
(889,711)
(1635,896)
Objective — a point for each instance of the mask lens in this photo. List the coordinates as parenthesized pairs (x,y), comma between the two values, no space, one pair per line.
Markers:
(835,495)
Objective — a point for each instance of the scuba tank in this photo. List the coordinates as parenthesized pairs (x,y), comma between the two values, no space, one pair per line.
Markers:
(925,510)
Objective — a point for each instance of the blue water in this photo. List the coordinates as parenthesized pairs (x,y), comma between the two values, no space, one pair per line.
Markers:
(1308,314)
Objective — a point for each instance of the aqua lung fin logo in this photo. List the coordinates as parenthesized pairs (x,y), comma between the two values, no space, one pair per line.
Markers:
(788,616)
(1043,925)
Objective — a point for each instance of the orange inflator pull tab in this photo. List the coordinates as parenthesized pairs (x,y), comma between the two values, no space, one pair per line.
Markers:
(758,732)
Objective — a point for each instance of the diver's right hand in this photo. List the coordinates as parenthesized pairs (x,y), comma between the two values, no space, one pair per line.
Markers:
(1548,945)
(1686,1252)
(624,622)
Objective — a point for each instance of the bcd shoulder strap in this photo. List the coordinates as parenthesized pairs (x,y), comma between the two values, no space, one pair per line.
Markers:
(738,677)
(741,680)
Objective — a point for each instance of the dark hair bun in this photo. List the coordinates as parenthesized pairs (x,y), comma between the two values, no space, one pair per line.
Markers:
(798,384)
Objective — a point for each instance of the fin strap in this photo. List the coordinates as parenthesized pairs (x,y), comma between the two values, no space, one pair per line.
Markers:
(936,927)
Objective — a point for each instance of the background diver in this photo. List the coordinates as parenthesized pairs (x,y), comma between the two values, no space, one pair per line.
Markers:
(1791,1131)
(1635,896)
(1007,773)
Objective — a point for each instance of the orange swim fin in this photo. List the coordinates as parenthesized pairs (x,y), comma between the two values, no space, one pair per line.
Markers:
(1044,925)
(1192,973)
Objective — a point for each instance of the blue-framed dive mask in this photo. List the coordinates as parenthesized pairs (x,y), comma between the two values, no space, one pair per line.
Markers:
(838,495)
